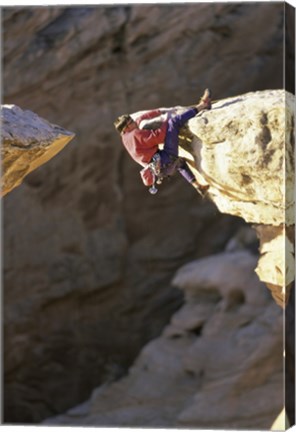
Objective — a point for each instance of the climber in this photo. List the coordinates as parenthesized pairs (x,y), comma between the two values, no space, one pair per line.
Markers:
(142,145)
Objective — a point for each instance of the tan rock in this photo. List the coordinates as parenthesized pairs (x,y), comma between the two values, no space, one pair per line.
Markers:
(276,265)
(217,365)
(28,141)
(198,277)
(243,149)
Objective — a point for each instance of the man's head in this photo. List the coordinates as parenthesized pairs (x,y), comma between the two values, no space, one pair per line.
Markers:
(123,122)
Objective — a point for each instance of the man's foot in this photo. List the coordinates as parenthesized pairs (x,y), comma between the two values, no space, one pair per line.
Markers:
(201,189)
(205,101)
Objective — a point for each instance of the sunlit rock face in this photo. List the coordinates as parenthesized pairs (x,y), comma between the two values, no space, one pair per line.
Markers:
(28,141)
(244,150)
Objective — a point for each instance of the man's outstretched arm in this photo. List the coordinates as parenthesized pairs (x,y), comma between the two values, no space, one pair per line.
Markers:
(148,115)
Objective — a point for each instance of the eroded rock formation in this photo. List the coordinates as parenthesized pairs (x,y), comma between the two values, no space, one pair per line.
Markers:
(28,141)
(218,364)
(88,265)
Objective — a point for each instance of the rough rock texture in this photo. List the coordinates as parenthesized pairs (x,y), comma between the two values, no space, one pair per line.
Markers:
(27,142)
(163,52)
(218,364)
(244,150)
(88,254)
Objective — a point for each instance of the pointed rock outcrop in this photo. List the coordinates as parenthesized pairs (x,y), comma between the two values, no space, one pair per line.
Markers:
(28,141)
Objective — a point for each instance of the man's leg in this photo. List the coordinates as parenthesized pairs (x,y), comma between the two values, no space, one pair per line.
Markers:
(172,140)
(176,122)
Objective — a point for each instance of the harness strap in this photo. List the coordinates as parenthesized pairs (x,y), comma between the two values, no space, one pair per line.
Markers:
(162,171)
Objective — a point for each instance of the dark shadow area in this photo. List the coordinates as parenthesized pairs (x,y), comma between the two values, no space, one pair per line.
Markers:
(290,309)
(289,48)
(290,357)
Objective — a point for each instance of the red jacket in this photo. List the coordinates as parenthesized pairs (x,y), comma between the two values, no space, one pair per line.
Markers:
(142,144)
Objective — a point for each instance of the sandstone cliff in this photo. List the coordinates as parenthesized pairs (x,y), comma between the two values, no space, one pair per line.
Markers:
(87,281)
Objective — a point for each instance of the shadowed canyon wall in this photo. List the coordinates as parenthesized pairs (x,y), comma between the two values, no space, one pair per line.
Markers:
(89,255)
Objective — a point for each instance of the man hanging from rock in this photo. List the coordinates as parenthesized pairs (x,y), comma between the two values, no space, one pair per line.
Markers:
(142,145)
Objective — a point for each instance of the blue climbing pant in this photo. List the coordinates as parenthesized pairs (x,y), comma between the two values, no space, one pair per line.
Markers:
(171,140)
(170,151)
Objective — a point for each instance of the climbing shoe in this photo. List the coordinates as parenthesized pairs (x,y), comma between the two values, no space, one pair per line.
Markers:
(201,189)
(206,99)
